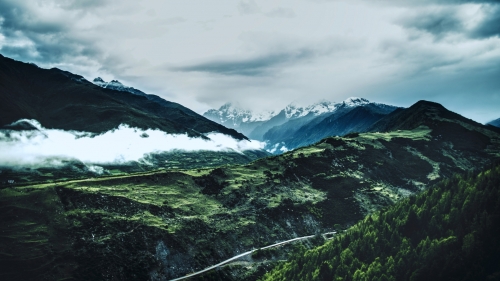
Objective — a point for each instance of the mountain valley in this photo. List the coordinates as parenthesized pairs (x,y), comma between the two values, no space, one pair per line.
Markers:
(165,224)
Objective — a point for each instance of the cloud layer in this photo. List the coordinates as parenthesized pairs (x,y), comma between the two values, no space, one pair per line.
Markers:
(49,146)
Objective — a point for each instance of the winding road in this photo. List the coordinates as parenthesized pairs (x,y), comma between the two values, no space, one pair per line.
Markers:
(244,254)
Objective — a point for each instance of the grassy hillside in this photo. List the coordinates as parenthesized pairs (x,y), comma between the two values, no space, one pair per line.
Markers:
(74,169)
(449,232)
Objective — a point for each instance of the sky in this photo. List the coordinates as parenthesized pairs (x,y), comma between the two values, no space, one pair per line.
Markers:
(264,55)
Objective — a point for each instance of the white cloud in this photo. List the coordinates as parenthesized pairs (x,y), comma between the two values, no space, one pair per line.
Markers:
(50,146)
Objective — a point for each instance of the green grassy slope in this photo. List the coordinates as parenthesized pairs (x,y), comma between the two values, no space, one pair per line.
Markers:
(74,169)
(449,232)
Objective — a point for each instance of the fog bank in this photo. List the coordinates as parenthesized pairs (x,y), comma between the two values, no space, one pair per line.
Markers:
(41,146)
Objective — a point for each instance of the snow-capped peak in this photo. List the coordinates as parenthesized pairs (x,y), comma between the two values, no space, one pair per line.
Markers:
(98,80)
(355,101)
(116,85)
(293,111)
(112,84)
(234,115)
(229,113)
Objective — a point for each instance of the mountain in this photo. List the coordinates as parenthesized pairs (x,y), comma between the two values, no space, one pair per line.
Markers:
(118,86)
(449,232)
(292,117)
(421,113)
(61,100)
(353,115)
(239,119)
(296,126)
(255,125)
(166,224)
(495,123)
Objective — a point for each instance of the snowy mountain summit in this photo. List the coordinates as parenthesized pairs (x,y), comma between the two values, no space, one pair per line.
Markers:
(117,85)
(255,124)
(322,107)
(234,115)
(353,101)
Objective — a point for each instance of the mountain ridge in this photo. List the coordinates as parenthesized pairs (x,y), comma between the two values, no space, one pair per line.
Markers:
(294,126)
(341,121)
(63,100)
(254,125)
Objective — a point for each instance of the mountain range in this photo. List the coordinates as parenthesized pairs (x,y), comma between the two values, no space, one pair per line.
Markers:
(168,215)
(294,126)
(165,224)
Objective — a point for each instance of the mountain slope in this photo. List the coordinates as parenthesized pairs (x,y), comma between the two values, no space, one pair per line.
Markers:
(421,113)
(62,100)
(163,225)
(346,118)
(449,232)
(495,123)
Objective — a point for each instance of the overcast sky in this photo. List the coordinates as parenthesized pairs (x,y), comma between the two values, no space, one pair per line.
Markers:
(266,54)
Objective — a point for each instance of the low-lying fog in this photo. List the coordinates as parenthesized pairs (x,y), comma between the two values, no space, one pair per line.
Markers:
(41,146)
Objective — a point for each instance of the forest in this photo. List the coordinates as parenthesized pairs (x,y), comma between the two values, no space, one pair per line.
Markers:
(448,232)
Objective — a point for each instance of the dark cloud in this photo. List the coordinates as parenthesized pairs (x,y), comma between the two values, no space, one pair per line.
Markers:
(29,37)
(490,25)
(438,23)
(446,20)
(249,67)
(15,19)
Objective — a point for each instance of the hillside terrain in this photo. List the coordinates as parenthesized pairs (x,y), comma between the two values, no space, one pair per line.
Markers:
(449,232)
(166,224)
(76,169)
(61,100)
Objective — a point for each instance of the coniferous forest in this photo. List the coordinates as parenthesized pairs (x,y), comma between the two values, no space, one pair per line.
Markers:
(448,232)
